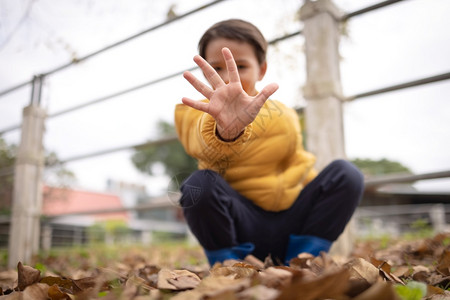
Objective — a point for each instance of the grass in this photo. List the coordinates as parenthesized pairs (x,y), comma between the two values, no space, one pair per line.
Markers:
(165,254)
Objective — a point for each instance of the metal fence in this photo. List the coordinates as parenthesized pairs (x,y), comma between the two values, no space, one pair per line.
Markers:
(78,236)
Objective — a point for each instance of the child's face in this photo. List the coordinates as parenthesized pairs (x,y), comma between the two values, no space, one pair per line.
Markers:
(250,71)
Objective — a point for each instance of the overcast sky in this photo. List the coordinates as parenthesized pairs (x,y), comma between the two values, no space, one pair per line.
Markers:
(406,41)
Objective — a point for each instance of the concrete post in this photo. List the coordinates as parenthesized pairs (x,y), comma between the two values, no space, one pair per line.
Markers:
(47,233)
(323,94)
(322,90)
(27,196)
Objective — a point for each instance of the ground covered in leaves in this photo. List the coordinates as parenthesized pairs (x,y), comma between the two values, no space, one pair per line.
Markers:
(406,269)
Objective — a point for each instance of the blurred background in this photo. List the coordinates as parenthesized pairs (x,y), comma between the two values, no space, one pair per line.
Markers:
(113,76)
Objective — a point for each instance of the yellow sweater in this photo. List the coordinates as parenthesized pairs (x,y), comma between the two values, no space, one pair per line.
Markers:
(267,163)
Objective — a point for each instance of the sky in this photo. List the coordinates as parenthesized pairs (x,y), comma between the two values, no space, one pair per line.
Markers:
(403,42)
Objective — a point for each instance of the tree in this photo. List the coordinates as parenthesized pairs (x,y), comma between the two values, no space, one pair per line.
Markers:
(177,163)
(7,159)
(382,166)
(54,174)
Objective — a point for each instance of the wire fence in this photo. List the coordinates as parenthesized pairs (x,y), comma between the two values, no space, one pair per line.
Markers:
(37,81)
(344,18)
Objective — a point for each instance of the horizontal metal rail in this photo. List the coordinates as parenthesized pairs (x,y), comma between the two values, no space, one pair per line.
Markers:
(7,171)
(104,49)
(369,9)
(165,202)
(403,209)
(407,178)
(160,202)
(135,88)
(162,141)
(77,60)
(111,96)
(409,84)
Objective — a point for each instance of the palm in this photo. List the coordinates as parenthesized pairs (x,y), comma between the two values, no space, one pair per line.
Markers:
(228,104)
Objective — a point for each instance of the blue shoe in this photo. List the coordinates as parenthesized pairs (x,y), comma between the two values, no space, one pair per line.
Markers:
(236,252)
(305,243)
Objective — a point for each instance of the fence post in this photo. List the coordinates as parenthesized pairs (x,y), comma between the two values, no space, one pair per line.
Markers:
(27,196)
(322,90)
(323,93)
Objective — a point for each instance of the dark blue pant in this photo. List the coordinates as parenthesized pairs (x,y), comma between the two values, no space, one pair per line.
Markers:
(220,217)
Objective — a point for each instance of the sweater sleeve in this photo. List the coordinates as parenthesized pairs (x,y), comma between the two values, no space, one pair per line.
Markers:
(197,133)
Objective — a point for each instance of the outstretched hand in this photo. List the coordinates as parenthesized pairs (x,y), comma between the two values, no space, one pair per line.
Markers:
(231,107)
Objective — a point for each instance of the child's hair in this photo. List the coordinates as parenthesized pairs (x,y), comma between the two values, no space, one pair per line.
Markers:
(239,30)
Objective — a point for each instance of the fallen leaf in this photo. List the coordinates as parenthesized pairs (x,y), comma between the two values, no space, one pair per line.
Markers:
(362,269)
(259,292)
(254,262)
(385,270)
(54,293)
(177,279)
(66,285)
(37,291)
(26,276)
(378,291)
(237,271)
(274,277)
(443,265)
(329,285)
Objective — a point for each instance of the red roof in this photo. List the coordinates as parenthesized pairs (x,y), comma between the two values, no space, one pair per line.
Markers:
(59,201)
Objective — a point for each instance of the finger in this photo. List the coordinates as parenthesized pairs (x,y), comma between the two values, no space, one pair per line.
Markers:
(198,85)
(233,72)
(265,93)
(199,105)
(209,72)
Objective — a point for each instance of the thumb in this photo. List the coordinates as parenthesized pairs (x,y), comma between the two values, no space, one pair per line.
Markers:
(266,92)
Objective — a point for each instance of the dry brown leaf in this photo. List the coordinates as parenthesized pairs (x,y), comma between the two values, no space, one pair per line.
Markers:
(362,269)
(177,279)
(378,291)
(259,292)
(12,296)
(236,271)
(443,265)
(37,291)
(381,264)
(213,286)
(385,270)
(184,282)
(302,260)
(150,274)
(321,263)
(402,271)
(8,279)
(188,295)
(89,282)
(138,282)
(66,285)
(26,276)
(328,285)
(254,261)
(54,293)
(433,290)
(274,277)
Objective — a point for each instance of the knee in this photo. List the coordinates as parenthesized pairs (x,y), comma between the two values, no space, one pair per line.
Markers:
(197,189)
(350,176)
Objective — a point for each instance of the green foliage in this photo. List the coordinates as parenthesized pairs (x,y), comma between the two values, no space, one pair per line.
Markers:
(420,229)
(115,230)
(54,174)
(413,290)
(39,266)
(172,155)
(7,160)
(380,167)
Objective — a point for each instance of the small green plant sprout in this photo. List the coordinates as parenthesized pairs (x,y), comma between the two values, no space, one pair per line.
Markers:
(413,290)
